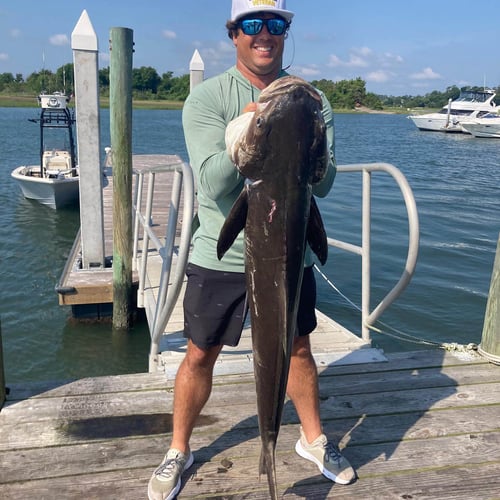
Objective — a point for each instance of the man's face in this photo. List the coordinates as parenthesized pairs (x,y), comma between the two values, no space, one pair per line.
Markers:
(261,54)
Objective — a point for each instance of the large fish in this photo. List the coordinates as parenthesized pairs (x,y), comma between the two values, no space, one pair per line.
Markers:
(282,153)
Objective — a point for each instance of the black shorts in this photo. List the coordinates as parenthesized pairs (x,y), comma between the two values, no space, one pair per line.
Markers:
(215,306)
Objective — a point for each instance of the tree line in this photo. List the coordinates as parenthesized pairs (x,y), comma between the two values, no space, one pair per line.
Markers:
(147,84)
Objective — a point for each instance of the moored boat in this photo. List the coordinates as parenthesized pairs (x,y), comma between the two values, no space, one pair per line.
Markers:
(54,182)
(471,104)
(488,126)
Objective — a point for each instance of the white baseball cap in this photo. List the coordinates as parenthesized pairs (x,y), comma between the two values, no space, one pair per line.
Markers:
(241,8)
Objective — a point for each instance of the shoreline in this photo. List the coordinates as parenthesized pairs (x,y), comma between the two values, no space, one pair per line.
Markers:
(30,102)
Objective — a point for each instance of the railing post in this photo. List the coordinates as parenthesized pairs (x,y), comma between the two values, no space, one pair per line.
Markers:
(366,255)
(490,342)
(120,100)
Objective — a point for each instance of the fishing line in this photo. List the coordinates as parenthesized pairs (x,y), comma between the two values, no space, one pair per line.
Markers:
(293,50)
(399,335)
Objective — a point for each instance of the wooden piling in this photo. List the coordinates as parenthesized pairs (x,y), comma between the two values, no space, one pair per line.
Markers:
(490,342)
(120,103)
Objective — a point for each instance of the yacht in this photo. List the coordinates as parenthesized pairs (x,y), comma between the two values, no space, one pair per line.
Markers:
(486,126)
(471,104)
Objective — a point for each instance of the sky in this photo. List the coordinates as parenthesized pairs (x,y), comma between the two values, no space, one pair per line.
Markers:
(397,47)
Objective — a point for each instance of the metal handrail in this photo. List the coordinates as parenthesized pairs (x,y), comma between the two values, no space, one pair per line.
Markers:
(183,181)
(168,292)
(368,318)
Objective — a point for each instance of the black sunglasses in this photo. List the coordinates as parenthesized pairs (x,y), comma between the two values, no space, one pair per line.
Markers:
(275,26)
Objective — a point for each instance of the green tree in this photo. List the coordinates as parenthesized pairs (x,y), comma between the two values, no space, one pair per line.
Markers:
(145,79)
(104,81)
(6,80)
(65,78)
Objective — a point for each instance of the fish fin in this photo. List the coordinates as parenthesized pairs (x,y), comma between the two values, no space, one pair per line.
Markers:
(316,234)
(267,466)
(235,222)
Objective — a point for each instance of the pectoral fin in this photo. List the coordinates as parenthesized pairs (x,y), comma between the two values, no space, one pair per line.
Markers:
(235,222)
(316,234)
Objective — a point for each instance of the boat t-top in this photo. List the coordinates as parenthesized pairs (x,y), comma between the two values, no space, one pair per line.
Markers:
(54,181)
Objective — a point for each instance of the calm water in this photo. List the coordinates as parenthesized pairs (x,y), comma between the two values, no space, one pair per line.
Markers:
(455,179)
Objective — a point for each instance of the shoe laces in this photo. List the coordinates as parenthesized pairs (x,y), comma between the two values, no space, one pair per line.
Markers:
(332,453)
(167,468)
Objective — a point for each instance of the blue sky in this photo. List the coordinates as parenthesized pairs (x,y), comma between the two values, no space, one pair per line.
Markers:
(397,47)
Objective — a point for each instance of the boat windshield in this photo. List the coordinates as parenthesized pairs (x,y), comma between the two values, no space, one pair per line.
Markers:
(456,112)
(474,96)
(491,115)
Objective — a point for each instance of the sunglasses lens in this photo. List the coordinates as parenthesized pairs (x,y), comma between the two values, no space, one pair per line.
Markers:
(254,26)
(276,26)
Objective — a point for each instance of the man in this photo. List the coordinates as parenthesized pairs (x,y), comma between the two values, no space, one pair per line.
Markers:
(214,303)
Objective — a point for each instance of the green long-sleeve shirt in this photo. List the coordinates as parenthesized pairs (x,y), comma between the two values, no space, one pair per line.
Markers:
(206,114)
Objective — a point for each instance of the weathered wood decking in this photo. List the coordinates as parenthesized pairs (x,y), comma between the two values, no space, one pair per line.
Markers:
(420,425)
(95,286)
(423,425)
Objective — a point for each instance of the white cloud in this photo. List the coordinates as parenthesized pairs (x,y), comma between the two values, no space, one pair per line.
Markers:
(59,40)
(354,61)
(379,76)
(169,35)
(426,74)
(15,33)
(307,71)
(363,57)
(390,58)
(4,56)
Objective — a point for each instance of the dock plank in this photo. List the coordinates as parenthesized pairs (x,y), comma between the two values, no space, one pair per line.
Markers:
(421,425)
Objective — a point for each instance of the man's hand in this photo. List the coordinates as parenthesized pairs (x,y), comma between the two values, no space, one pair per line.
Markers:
(251,106)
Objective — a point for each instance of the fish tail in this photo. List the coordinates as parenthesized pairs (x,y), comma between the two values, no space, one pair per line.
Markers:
(268,467)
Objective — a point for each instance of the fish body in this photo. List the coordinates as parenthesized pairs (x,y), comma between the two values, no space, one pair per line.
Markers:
(282,154)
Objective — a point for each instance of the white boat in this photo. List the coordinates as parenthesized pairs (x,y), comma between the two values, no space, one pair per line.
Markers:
(54,181)
(471,104)
(487,126)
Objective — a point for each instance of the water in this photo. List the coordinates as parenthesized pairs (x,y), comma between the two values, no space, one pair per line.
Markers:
(455,179)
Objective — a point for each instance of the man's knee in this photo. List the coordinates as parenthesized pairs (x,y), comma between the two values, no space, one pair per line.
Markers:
(301,347)
(199,358)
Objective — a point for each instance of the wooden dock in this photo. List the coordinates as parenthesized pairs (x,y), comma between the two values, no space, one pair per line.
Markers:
(95,286)
(92,291)
(415,425)
(423,425)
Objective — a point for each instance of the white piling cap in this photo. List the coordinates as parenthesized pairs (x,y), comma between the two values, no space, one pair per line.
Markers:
(83,36)
(196,63)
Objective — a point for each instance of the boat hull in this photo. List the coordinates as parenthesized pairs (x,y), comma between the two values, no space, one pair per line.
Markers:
(55,193)
(435,122)
(485,130)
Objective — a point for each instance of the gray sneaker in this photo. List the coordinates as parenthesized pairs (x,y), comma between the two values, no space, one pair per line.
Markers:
(327,457)
(165,482)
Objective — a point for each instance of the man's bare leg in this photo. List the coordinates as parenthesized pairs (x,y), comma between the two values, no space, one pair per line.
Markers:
(193,385)
(303,389)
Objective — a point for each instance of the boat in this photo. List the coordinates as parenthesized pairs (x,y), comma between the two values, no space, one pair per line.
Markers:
(487,126)
(470,104)
(54,182)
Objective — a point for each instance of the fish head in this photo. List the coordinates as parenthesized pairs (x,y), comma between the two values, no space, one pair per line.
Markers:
(288,122)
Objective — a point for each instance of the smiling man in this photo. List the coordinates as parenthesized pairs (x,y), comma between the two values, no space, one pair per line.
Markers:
(214,302)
